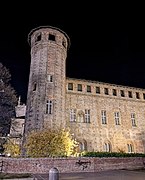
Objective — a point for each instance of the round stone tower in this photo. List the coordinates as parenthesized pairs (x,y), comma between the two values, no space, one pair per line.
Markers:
(46,89)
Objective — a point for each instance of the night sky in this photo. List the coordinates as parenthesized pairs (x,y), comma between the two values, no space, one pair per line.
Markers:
(107,45)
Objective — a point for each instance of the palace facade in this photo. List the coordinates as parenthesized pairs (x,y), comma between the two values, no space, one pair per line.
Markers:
(101,116)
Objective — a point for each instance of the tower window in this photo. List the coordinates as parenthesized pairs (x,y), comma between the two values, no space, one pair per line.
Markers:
(70,86)
(88,88)
(114,92)
(50,78)
(98,90)
(51,37)
(79,87)
(34,87)
(49,107)
(64,43)
(38,38)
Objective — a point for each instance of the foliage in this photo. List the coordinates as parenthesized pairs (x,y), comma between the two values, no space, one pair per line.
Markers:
(50,143)
(12,148)
(8,100)
(112,154)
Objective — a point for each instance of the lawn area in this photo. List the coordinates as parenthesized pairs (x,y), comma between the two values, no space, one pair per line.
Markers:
(13,175)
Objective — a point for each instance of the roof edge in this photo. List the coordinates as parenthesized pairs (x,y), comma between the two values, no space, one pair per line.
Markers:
(52,27)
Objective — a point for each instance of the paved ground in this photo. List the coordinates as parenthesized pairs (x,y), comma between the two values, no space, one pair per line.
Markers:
(106,175)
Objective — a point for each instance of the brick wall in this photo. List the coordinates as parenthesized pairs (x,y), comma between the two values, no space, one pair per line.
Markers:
(43,165)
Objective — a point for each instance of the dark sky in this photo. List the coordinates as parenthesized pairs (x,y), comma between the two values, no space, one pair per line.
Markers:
(107,42)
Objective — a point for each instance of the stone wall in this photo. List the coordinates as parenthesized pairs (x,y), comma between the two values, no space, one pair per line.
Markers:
(96,133)
(68,165)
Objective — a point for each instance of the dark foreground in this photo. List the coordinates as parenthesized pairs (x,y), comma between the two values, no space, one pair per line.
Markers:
(105,175)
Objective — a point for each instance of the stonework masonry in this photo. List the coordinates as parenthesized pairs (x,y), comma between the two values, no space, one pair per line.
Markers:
(69,165)
(101,116)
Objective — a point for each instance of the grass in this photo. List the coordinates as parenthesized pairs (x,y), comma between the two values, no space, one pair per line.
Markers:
(14,175)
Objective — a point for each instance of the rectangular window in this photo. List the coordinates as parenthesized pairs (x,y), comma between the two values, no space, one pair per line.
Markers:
(143,95)
(79,87)
(117,121)
(38,38)
(34,87)
(129,94)
(87,115)
(51,37)
(122,93)
(70,86)
(137,95)
(49,107)
(72,115)
(98,90)
(106,91)
(104,119)
(88,88)
(64,43)
(50,78)
(114,92)
(133,121)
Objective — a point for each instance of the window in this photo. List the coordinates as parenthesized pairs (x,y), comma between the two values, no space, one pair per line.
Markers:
(130,148)
(79,87)
(49,107)
(80,117)
(122,93)
(87,115)
(143,95)
(34,87)
(106,91)
(114,92)
(129,94)
(107,147)
(83,146)
(133,119)
(98,90)
(70,86)
(103,114)
(38,38)
(50,78)
(116,114)
(51,37)
(64,43)
(137,95)
(88,88)
(73,115)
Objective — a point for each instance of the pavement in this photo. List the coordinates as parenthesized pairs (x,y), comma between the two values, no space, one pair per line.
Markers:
(104,175)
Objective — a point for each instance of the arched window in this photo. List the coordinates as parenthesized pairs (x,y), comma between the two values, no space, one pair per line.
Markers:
(83,146)
(107,147)
(130,148)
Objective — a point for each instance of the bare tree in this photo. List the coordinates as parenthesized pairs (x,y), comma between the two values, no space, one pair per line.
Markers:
(8,100)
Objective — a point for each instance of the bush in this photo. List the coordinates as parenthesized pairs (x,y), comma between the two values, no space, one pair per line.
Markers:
(111,154)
